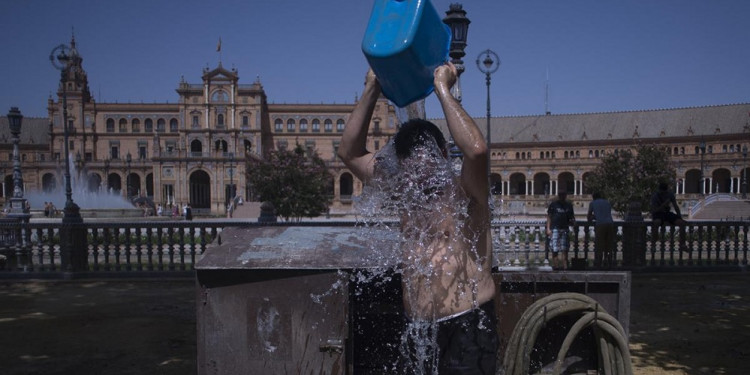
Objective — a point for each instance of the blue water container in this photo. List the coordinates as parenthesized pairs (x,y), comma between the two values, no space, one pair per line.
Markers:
(404,42)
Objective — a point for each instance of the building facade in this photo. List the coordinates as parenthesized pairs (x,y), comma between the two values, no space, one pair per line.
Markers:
(534,157)
(199,149)
(195,151)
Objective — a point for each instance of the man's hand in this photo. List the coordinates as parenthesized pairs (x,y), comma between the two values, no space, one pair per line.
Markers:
(444,78)
(371,79)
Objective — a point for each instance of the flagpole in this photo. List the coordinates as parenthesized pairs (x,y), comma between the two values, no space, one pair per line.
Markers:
(218,49)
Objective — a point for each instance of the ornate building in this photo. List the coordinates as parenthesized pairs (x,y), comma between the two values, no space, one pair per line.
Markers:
(197,150)
(534,157)
(194,151)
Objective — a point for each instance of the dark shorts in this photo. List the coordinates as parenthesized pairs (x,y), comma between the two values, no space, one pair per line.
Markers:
(559,240)
(466,344)
(665,217)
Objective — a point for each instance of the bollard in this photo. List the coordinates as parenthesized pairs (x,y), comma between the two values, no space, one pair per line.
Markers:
(634,237)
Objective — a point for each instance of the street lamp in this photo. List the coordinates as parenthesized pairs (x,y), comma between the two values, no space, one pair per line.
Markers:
(744,172)
(60,59)
(702,147)
(456,19)
(106,175)
(128,159)
(231,176)
(18,202)
(488,62)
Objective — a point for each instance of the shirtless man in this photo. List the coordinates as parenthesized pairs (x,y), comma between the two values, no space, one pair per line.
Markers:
(447,259)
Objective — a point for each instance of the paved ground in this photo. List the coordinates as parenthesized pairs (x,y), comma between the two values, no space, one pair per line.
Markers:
(682,324)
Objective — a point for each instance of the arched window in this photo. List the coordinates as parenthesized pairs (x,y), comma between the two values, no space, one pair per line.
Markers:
(303,125)
(328,126)
(173,125)
(221,145)
(316,125)
(219,96)
(290,125)
(278,125)
(160,125)
(148,125)
(340,125)
(220,120)
(136,125)
(123,125)
(196,148)
(346,186)
(110,125)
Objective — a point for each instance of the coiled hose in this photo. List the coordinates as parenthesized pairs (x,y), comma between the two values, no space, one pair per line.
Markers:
(612,345)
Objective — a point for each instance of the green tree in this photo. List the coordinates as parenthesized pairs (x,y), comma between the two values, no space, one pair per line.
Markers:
(296,182)
(631,175)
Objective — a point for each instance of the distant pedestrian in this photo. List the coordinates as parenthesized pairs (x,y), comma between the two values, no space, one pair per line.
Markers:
(46,209)
(560,217)
(159,210)
(600,212)
(188,212)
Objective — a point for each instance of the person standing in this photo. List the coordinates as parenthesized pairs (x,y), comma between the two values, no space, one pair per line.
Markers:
(560,217)
(600,212)
(188,212)
(447,258)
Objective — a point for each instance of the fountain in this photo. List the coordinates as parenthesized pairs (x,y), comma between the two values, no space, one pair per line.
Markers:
(93,204)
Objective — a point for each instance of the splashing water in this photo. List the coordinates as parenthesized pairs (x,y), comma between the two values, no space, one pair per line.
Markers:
(411,111)
(423,194)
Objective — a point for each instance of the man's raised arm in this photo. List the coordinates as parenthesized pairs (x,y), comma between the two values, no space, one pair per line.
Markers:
(465,133)
(353,148)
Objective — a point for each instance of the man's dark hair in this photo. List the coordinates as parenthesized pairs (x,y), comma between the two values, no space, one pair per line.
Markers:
(416,132)
(596,195)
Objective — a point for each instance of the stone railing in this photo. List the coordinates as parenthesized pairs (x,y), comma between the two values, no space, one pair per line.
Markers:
(638,245)
(143,248)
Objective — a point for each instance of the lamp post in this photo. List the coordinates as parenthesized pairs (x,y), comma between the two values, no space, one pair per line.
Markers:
(17,202)
(106,175)
(702,148)
(456,19)
(128,159)
(231,177)
(744,172)
(488,62)
(60,59)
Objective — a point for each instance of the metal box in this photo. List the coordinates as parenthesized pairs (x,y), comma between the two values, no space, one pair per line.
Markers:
(282,299)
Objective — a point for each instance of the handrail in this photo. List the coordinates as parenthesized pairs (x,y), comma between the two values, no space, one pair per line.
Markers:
(166,246)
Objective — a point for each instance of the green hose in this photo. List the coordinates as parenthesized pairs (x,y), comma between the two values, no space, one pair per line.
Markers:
(612,344)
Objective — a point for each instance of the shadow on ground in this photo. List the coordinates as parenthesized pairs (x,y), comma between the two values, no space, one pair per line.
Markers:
(681,324)
(691,323)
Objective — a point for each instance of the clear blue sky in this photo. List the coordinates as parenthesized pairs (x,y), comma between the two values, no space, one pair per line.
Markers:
(601,55)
